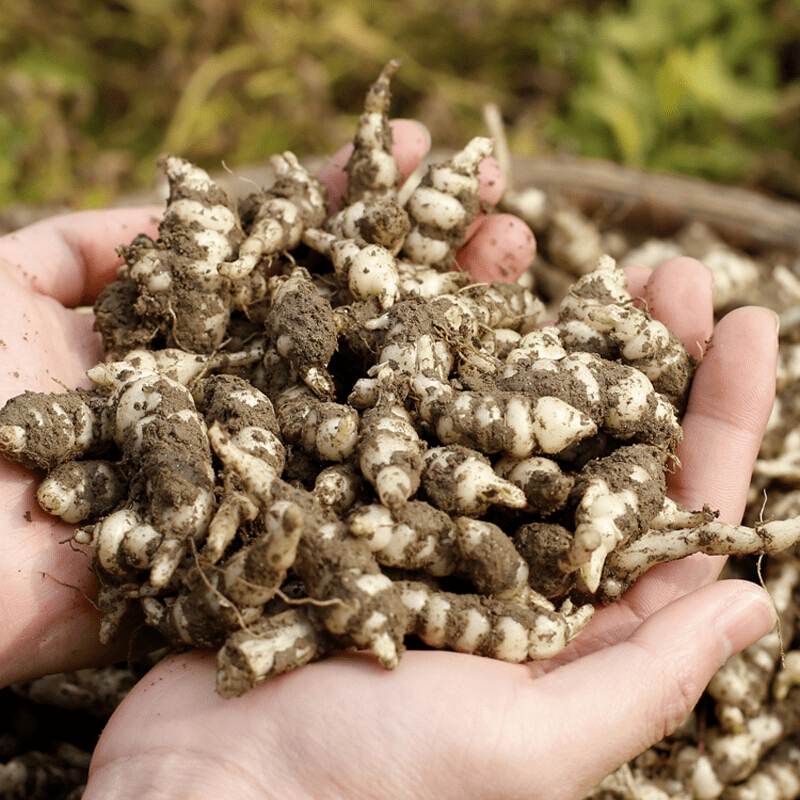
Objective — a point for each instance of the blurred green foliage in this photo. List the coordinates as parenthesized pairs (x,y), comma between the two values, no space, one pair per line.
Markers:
(92,91)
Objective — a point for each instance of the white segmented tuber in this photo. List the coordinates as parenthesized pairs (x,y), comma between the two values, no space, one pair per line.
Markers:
(247,416)
(410,346)
(368,270)
(415,536)
(673,516)
(212,602)
(501,341)
(390,451)
(598,315)
(122,541)
(606,284)
(420,281)
(695,771)
(477,362)
(375,525)
(338,486)
(630,561)
(744,680)
(171,362)
(487,626)
(266,648)
(155,423)
(371,169)
(78,490)
(459,480)
(40,431)
(248,419)
(253,574)
(546,485)
(648,345)
(619,495)
(377,222)
(325,431)
(443,205)
(372,213)
(199,615)
(197,204)
(598,529)
(235,508)
(553,554)
(490,561)
(619,398)
(418,338)
(735,756)
(360,605)
(371,272)
(574,242)
(296,201)
(492,306)
(257,476)
(302,329)
(277,227)
(777,776)
(500,422)
(174,290)
(542,343)
(637,334)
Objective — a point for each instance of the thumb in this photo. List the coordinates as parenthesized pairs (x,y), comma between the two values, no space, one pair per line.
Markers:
(626,697)
(71,257)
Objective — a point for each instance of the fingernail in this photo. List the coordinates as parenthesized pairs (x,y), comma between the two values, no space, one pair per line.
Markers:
(745,620)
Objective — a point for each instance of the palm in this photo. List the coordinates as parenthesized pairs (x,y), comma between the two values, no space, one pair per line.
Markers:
(49,624)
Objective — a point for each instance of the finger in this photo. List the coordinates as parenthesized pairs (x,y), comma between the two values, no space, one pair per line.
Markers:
(501,250)
(491,185)
(731,399)
(43,344)
(658,587)
(637,278)
(679,294)
(607,708)
(72,257)
(412,140)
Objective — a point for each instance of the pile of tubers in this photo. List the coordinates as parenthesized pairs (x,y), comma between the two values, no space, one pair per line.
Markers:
(314,433)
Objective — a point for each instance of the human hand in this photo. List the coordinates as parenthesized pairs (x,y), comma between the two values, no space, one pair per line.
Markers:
(448,725)
(46,271)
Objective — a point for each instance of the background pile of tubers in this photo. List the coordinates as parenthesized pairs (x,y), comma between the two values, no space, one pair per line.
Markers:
(422,460)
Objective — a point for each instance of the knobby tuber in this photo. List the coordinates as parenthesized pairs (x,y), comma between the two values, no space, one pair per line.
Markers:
(313,434)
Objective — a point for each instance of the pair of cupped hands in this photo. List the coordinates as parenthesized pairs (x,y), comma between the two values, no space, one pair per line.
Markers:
(441,725)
